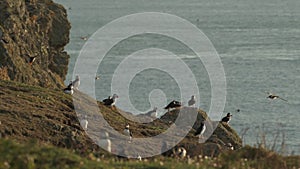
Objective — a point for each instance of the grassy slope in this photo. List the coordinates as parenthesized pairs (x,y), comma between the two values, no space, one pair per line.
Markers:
(47,115)
(35,155)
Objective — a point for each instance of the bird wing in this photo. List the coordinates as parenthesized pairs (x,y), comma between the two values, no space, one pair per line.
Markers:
(224,119)
(282,99)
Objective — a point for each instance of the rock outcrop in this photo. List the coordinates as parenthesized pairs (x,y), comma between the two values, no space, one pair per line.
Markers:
(31,28)
(218,136)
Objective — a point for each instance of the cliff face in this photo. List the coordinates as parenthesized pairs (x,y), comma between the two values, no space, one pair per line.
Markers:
(33,28)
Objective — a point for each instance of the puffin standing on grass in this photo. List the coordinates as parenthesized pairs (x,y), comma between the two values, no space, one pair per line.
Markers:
(227,118)
(173,104)
(69,88)
(110,101)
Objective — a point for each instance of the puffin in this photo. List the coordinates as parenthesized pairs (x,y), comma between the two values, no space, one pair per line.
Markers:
(110,101)
(173,104)
(274,97)
(227,118)
(69,88)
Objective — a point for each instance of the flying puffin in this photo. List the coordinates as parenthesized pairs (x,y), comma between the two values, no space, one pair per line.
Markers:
(173,104)
(110,101)
(192,101)
(227,118)
(273,97)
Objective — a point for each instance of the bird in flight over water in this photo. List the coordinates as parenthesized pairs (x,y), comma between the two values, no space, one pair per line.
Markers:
(274,97)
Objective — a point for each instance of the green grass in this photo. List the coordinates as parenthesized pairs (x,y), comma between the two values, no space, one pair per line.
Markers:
(35,155)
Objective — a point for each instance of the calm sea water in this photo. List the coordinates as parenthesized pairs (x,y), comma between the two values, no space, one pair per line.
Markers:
(258,42)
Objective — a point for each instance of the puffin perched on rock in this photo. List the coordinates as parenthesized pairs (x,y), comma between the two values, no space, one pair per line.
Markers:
(173,104)
(227,118)
(69,88)
(110,101)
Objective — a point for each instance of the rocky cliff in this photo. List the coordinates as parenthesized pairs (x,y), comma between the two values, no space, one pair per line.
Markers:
(33,28)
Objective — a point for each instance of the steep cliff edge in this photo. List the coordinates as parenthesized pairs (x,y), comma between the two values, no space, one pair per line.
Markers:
(38,29)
